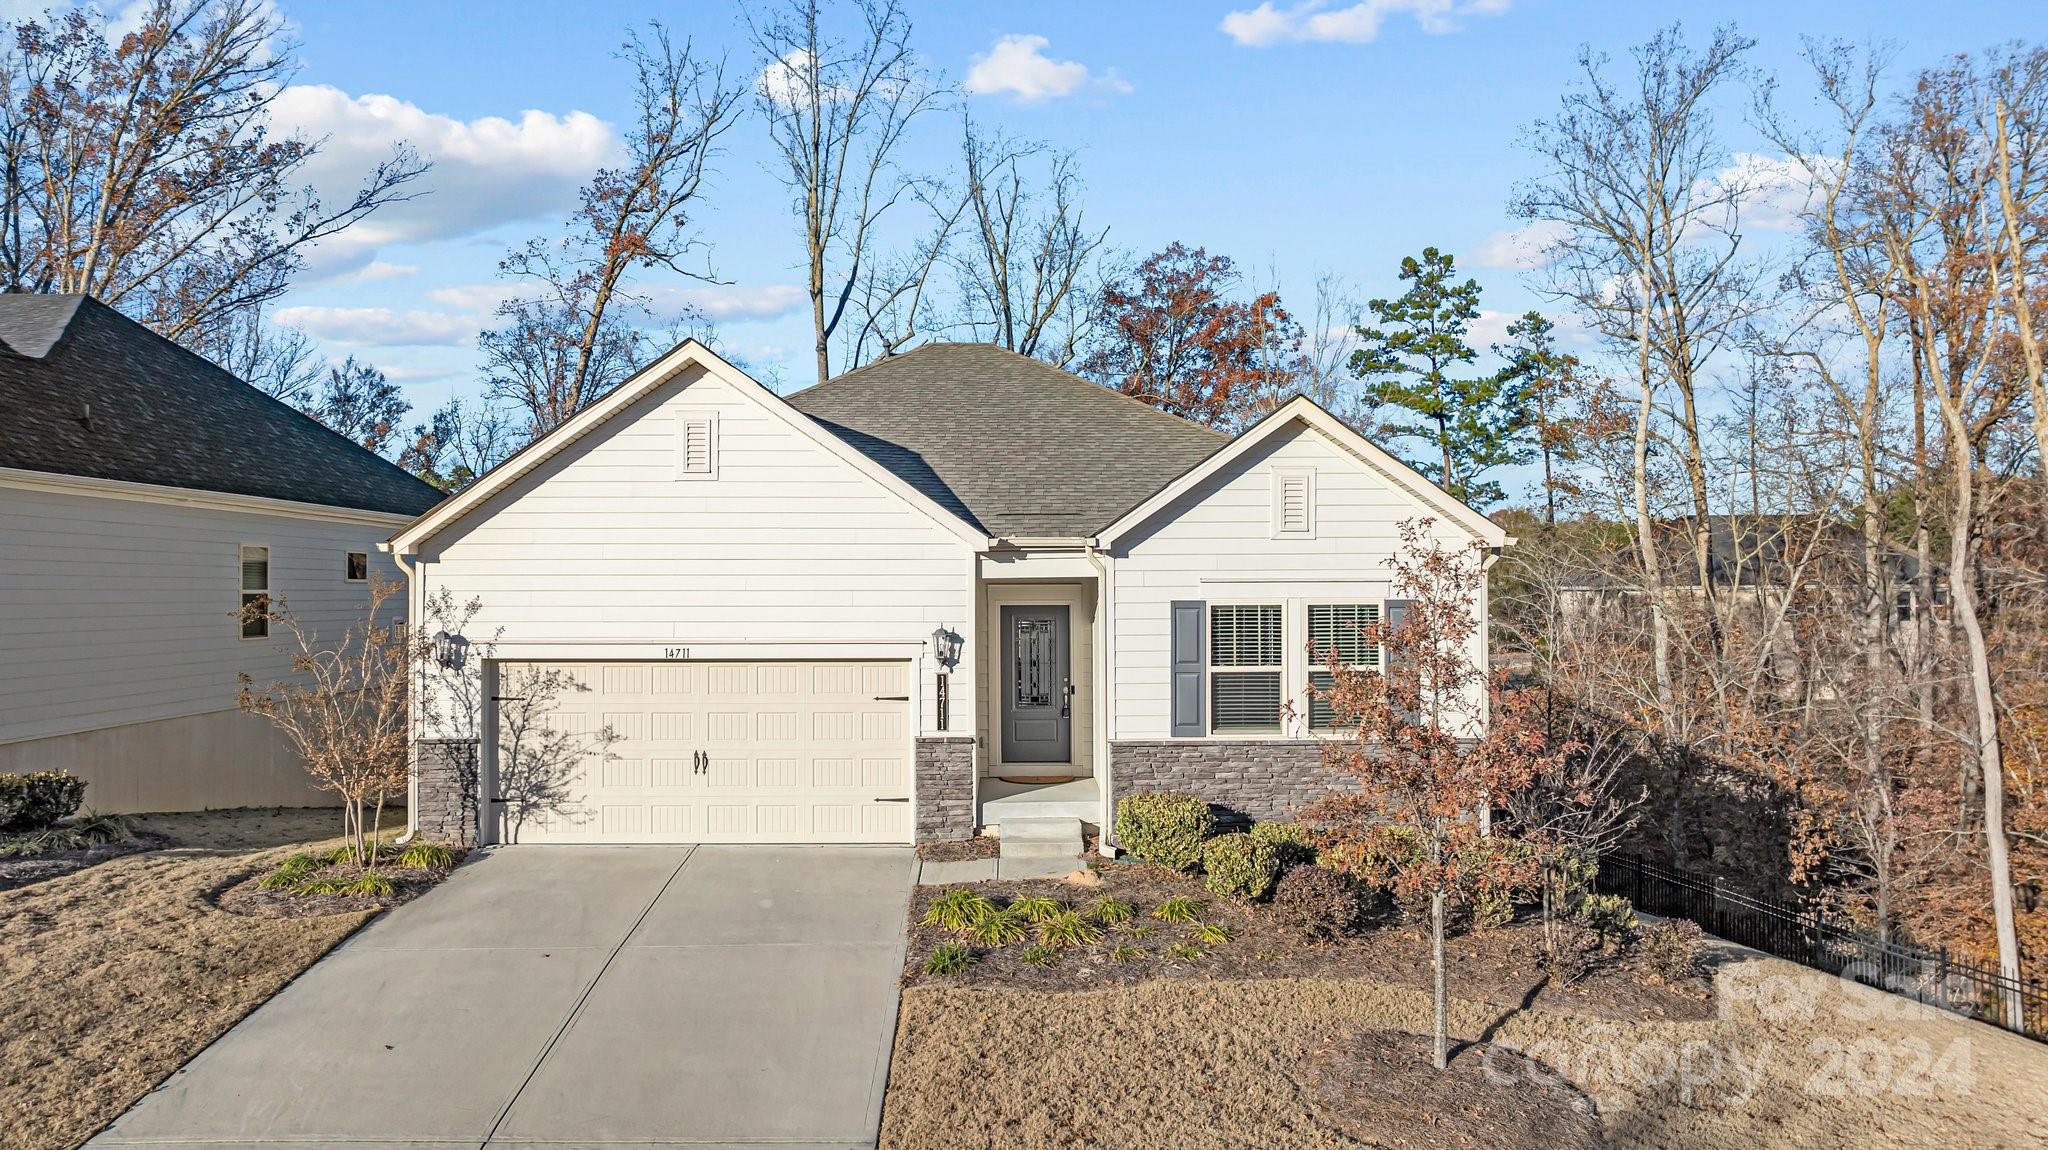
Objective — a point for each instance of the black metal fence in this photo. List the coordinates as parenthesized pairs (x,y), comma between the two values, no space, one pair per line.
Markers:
(1930,976)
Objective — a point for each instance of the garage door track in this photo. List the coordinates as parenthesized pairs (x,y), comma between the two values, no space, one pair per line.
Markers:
(691,996)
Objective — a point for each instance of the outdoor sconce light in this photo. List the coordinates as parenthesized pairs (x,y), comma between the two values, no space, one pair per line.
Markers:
(946,647)
(451,651)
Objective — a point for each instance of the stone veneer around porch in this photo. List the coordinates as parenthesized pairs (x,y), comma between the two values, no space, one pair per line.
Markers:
(1263,779)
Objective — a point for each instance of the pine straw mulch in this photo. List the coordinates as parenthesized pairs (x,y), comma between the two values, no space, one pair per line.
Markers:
(1501,966)
(246,897)
(116,975)
(1382,1088)
(960,850)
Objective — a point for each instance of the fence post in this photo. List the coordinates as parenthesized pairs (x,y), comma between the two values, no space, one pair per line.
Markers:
(1635,894)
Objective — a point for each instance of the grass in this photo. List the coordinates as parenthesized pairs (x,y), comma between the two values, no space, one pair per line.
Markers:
(958,910)
(950,959)
(1180,908)
(116,975)
(427,856)
(1185,952)
(1039,955)
(1214,933)
(1111,911)
(1037,909)
(1068,929)
(1125,952)
(998,928)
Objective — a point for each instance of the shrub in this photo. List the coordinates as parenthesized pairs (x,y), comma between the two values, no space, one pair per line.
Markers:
(957,910)
(1163,829)
(38,799)
(1609,916)
(1039,955)
(1317,903)
(949,960)
(1671,950)
(83,834)
(427,856)
(1577,953)
(1492,907)
(1239,866)
(1111,911)
(1036,909)
(1179,908)
(1290,843)
(1068,929)
(998,928)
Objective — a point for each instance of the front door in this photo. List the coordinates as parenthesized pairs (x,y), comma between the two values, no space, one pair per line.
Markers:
(1038,686)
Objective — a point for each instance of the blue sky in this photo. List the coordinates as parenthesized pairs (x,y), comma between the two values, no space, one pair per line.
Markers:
(1297,139)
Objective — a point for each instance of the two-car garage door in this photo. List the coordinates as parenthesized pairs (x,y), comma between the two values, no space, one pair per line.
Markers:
(762,752)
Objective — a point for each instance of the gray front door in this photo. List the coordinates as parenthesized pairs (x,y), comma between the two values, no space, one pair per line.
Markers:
(1038,686)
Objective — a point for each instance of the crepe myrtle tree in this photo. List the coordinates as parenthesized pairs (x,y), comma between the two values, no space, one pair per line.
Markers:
(343,707)
(1423,758)
(539,759)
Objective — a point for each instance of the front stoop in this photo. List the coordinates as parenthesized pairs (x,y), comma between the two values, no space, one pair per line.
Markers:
(1039,848)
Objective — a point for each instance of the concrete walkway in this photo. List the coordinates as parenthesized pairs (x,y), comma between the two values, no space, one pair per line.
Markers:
(704,997)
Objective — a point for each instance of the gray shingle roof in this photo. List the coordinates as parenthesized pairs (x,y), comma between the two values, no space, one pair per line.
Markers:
(84,390)
(1014,445)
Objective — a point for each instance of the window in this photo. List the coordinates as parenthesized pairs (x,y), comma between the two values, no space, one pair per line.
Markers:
(1294,505)
(355,567)
(1339,628)
(255,592)
(696,446)
(1246,650)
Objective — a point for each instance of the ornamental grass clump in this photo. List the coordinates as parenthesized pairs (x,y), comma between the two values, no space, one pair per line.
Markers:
(1239,866)
(957,910)
(1164,829)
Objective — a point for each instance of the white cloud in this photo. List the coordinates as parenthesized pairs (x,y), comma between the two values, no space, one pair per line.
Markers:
(377,270)
(381,326)
(1017,65)
(1521,249)
(1774,190)
(487,171)
(1315,21)
(728,302)
(477,298)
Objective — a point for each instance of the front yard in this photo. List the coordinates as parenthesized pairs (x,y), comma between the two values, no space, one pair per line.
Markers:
(1261,1041)
(117,974)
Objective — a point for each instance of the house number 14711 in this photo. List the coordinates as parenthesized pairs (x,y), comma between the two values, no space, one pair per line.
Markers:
(675,652)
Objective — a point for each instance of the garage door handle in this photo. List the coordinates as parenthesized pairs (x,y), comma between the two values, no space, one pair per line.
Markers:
(892,698)
(892,800)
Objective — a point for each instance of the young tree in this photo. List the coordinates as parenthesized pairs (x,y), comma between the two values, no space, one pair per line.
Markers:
(1413,361)
(358,402)
(570,342)
(1170,336)
(836,110)
(1428,759)
(139,166)
(1551,389)
(343,708)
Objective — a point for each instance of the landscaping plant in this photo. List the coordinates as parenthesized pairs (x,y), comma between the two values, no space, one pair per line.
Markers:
(1124,952)
(1111,911)
(1068,929)
(1317,903)
(949,959)
(1671,950)
(1036,908)
(1239,866)
(1165,829)
(1427,757)
(1214,933)
(958,909)
(1186,952)
(427,856)
(38,800)
(999,928)
(1179,908)
(1291,842)
(1038,956)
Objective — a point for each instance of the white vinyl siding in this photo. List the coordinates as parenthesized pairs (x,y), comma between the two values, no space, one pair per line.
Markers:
(1247,666)
(120,611)
(788,546)
(1339,629)
(1217,545)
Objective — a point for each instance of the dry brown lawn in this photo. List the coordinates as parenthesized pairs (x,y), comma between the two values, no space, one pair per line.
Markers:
(115,976)
(1794,1059)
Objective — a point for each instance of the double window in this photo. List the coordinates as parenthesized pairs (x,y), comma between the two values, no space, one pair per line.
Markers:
(255,592)
(1248,664)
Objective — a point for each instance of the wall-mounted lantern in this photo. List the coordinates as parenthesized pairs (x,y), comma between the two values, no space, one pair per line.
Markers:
(451,651)
(946,649)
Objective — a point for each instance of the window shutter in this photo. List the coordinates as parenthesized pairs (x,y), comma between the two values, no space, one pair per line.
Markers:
(1397,616)
(1190,661)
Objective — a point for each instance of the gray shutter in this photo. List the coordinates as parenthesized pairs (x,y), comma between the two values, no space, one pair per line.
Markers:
(1190,665)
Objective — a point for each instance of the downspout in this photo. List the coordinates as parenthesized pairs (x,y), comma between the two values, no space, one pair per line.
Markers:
(1105,716)
(413,608)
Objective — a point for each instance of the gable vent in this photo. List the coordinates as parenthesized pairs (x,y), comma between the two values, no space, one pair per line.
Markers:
(1294,504)
(696,447)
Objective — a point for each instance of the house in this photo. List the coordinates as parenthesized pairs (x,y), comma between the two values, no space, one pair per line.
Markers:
(951,588)
(145,496)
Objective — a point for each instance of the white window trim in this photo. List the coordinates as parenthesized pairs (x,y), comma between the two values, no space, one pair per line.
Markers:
(1237,734)
(1314,663)
(269,585)
(683,421)
(1281,477)
(345,576)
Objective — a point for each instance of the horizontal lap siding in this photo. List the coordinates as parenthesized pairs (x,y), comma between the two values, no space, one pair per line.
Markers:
(1222,532)
(789,544)
(116,611)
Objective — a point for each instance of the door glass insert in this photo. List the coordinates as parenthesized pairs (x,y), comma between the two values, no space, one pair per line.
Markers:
(1031,678)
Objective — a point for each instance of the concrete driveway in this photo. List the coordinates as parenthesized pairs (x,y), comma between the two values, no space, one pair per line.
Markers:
(707,996)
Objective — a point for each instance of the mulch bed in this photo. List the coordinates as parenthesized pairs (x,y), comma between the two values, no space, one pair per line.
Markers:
(960,850)
(1502,967)
(247,898)
(21,870)
(1379,1087)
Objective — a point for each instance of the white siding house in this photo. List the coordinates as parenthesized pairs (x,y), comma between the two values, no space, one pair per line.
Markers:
(138,511)
(950,590)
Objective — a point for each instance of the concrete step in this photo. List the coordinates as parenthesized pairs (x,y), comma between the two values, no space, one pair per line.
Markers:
(1038,848)
(1016,832)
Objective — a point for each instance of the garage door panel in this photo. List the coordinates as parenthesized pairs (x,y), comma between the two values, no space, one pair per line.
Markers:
(724,752)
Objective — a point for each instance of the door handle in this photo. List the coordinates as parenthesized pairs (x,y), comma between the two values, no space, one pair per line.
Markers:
(1066,700)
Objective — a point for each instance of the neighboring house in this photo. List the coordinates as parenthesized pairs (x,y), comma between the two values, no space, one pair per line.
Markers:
(145,495)
(952,587)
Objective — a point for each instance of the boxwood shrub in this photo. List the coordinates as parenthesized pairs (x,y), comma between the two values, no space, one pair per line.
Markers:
(1239,866)
(1166,829)
(1289,840)
(1317,903)
(38,799)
